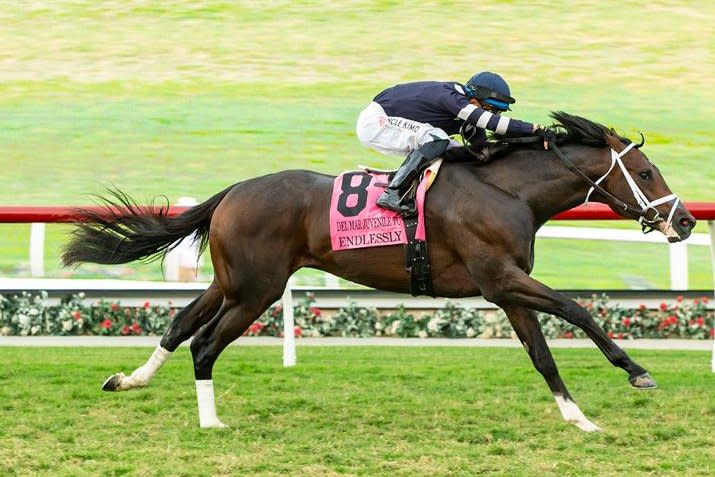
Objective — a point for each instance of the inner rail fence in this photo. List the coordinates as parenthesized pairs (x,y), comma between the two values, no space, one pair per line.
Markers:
(38,216)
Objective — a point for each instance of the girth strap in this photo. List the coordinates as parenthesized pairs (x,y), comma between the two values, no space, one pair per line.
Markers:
(417,260)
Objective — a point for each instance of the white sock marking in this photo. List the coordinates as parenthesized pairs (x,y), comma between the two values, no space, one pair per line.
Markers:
(142,375)
(207,404)
(572,414)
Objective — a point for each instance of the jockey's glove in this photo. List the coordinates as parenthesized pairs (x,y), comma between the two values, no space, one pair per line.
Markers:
(548,135)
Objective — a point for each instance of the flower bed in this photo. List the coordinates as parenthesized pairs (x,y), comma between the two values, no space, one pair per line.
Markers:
(26,314)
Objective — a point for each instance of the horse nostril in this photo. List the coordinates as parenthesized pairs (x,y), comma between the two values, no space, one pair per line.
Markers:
(686,222)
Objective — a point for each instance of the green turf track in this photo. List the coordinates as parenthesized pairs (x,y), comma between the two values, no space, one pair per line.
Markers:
(184,98)
(354,411)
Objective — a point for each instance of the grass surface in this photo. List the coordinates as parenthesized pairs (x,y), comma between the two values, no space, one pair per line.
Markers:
(184,98)
(354,411)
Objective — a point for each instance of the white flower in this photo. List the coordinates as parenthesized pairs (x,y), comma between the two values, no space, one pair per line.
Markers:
(67,325)
(394,327)
(471,333)
(433,325)
(33,312)
(378,326)
(23,320)
(422,334)
(34,330)
(5,331)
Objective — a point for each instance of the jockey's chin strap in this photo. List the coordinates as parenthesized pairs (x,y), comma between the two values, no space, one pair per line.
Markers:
(648,216)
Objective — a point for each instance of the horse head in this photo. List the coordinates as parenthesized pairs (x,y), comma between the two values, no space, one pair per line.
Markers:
(645,195)
(632,186)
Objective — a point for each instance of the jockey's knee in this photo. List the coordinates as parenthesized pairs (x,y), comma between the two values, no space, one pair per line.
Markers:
(434,148)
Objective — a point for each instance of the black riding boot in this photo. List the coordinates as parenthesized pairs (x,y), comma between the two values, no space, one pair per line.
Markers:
(413,165)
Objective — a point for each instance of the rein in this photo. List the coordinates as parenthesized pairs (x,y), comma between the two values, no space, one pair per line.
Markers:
(646,206)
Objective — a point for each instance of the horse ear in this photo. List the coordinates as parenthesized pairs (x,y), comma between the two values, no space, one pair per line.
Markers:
(637,146)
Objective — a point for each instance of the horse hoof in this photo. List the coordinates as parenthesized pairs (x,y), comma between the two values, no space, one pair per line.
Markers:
(112,382)
(644,381)
(587,426)
(214,424)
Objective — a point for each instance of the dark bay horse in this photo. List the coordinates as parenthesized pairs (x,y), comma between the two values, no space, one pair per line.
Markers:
(481,221)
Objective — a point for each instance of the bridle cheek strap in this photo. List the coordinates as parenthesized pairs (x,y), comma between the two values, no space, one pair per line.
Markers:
(638,194)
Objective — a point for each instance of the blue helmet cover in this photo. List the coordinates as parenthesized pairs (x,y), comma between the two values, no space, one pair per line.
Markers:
(490,86)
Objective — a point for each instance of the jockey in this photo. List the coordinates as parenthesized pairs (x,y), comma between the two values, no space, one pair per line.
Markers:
(417,120)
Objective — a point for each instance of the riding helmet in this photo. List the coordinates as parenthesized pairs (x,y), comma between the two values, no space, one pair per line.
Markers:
(490,88)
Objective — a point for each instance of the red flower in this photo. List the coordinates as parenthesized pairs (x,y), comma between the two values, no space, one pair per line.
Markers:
(125,330)
(255,328)
(626,322)
(147,305)
(663,306)
(642,307)
(315,310)
(106,324)
(704,299)
(115,306)
(679,298)
(297,332)
(610,334)
(700,321)
(136,329)
(77,315)
(620,336)
(696,302)
(712,332)
(672,320)
(568,334)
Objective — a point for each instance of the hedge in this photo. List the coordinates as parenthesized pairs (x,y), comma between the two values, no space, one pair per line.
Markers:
(26,314)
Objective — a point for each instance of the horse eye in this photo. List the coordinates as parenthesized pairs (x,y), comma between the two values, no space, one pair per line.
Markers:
(645,175)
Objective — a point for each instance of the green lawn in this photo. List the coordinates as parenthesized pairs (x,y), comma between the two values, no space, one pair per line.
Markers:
(185,98)
(354,411)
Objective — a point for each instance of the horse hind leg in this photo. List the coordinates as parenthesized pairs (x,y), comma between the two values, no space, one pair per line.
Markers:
(186,322)
(230,322)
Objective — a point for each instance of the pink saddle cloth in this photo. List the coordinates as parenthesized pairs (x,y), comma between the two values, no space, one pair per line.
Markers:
(357,222)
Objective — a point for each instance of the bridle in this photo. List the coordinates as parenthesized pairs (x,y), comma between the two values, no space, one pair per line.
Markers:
(648,216)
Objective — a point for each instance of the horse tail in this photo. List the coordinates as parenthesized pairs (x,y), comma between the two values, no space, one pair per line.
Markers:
(123,231)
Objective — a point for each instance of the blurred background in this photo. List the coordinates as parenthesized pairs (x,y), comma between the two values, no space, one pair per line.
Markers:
(183,98)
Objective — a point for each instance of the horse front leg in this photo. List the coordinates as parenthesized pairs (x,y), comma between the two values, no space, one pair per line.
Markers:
(514,287)
(526,325)
(186,322)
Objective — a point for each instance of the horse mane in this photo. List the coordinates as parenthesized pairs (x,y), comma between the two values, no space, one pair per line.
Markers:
(579,130)
(569,128)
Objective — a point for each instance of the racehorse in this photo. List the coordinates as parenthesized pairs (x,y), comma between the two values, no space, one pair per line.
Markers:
(481,221)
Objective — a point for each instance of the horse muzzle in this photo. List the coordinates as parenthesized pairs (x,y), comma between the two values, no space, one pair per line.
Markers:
(679,228)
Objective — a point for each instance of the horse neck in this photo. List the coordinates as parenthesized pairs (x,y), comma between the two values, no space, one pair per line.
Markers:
(543,181)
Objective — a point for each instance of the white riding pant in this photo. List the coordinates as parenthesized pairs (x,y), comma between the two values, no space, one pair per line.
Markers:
(395,135)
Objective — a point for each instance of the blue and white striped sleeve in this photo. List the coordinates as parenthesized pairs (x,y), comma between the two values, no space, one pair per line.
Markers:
(500,124)
(466,111)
